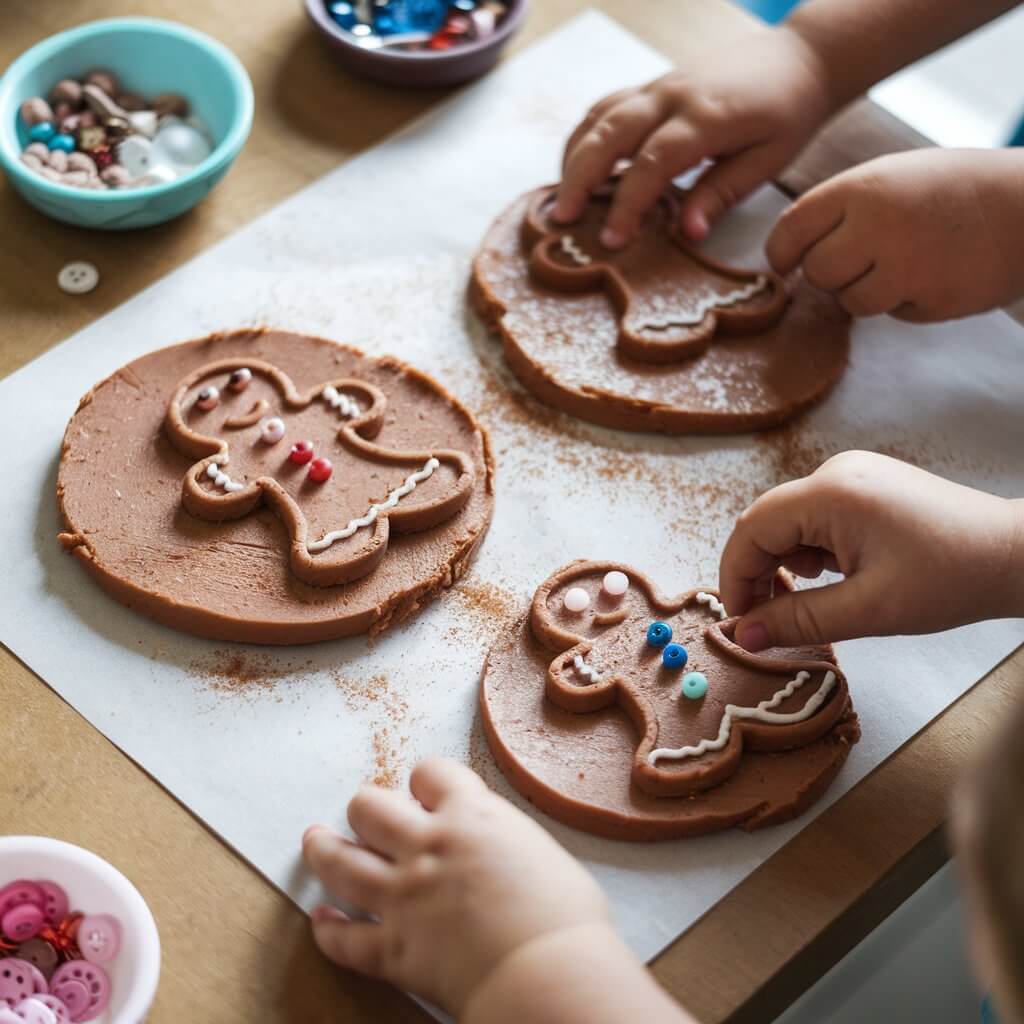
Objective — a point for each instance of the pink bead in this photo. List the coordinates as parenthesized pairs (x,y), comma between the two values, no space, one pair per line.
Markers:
(99,937)
(208,398)
(22,922)
(301,453)
(320,470)
(76,977)
(576,599)
(615,583)
(56,907)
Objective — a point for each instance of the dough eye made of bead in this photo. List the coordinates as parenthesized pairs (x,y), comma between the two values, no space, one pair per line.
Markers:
(272,430)
(208,398)
(239,379)
(659,634)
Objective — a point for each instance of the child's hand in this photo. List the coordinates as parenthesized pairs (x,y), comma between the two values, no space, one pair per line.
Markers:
(928,235)
(750,108)
(920,554)
(457,882)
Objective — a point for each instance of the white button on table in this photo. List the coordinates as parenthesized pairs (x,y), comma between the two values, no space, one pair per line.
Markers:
(78,277)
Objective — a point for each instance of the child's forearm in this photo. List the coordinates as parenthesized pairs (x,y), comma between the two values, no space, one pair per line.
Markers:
(582,975)
(1016,561)
(859,42)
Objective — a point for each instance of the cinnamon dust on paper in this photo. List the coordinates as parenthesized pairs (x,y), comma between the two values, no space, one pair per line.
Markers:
(245,675)
(389,712)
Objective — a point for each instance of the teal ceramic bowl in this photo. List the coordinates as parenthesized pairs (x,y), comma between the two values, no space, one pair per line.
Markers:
(150,56)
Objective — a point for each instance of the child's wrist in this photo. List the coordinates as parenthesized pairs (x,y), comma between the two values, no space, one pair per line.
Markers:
(1015,574)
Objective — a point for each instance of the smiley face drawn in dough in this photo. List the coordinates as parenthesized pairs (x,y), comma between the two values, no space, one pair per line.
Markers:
(239,427)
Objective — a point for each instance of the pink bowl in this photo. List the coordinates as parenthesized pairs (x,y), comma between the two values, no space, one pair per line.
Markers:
(419,68)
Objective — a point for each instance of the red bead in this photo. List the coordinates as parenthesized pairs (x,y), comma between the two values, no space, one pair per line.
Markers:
(320,470)
(302,452)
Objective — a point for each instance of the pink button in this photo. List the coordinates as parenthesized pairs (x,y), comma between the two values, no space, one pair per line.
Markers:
(99,937)
(22,922)
(22,891)
(17,980)
(74,977)
(34,1012)
(56,905)
(8,1016)
(60,1011)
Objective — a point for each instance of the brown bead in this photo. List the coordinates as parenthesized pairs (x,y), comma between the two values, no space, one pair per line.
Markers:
(115,176)
(171,103)
(35,110)
(82,162)
(58,160)
(104,79)
(77,178)
(67,91)
(40,953)
(131,101)
(91,138)
(32,161)
(62,110)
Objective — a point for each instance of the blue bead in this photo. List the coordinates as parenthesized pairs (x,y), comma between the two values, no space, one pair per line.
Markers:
(674,656)
(659,634)
(465,6)
(65,142)
(343,13)
(42,132)
(694,685)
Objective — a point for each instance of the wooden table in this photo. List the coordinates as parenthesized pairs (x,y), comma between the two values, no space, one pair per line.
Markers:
(234,948)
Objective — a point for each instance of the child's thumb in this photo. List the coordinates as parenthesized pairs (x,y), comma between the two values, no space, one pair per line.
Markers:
(817,616)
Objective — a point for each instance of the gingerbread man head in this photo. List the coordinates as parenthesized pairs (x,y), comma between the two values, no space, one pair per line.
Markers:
(671,300)
(312,458)
(696,699)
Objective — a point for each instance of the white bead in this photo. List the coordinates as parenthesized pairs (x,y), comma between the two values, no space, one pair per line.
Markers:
(180,144)
(208,398)
(78,277)
(135,155)
(615,583)
(272,430)
(576,599)
(239,379)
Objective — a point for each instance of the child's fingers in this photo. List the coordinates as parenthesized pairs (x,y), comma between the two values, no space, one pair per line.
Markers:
(435,779)
(729,181)
(838,260)
(669,150)
(351,872)
(388,822)
(615,135)
(596,112)
(817,616)
(809,219)
(359,945)
(871,294)
(770,530)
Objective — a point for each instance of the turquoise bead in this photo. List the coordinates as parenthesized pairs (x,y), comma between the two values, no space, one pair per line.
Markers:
(674,656)
(659,634)
(65,142)
(42,132)
(695,685)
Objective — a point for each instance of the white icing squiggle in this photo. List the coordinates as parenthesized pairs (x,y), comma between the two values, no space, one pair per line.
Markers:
(221,479)
(704,306)
(347,407)
(374,510)
(574,252)
(585,670)
(714,605)
(762,713)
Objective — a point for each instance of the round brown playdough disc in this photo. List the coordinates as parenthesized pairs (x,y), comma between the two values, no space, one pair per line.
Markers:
(562,345)
(576,767)
(120,490)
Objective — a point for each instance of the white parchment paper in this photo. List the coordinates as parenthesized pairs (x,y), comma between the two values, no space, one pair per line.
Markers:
(261,743)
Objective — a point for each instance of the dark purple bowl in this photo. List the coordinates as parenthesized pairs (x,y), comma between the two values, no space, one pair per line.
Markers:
(418,68)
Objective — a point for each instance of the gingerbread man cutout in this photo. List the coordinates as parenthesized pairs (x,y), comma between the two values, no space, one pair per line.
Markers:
(602,657)
(670,299)
(239,420)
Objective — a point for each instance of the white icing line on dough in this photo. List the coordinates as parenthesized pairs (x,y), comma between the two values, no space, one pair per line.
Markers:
(221,479)
(714,605)
(585,670)
(762,713)
(704,306)
(374,510)
(574,252)
(347,407)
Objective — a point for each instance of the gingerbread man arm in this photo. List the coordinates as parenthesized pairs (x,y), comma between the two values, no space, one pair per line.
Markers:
(210,492)
(604,661)
(570,259)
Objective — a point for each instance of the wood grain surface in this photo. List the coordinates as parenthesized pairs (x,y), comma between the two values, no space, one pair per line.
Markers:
(234,948)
